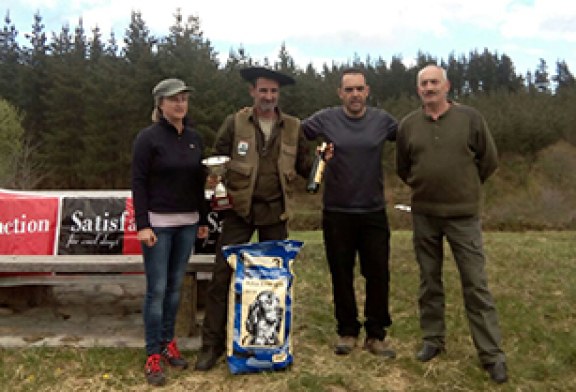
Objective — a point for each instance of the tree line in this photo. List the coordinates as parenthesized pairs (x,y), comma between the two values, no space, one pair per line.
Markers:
(81,98)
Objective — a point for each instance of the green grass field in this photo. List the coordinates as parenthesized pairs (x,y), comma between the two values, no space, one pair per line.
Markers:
(531,275)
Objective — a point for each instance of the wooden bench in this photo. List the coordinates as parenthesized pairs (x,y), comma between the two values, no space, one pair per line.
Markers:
(47,270)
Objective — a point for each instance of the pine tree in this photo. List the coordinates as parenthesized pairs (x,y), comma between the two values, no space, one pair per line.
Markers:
(143,72)
(563,78)
(63,147)
(10,62)
(187,55)
(107,137)
(11,138)
(507,77)
(542,78)
(34,82)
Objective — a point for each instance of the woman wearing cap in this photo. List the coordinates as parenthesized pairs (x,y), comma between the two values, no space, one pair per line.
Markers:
(170,210)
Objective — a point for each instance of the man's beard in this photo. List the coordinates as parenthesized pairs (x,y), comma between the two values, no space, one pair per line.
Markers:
(267,106)
(356,106)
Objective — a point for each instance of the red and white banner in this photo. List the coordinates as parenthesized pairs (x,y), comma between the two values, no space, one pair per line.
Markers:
(28,224)
(83,222)
(75,222)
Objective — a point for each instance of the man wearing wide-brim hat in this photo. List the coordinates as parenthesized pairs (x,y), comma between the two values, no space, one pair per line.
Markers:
(267,150)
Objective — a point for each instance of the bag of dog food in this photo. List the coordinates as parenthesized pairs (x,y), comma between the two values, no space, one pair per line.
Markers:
(260,305)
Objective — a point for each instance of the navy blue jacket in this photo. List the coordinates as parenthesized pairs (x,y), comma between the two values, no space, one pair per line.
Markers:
(167,172)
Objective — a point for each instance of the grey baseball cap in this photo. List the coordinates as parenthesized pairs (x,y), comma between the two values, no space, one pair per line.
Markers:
(170,87)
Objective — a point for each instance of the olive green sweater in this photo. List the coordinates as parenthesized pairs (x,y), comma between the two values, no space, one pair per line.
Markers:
(445,161)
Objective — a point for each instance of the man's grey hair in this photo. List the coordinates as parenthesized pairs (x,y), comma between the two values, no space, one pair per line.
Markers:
(444,74)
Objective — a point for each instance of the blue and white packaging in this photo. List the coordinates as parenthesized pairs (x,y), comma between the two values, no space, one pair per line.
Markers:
(260,305)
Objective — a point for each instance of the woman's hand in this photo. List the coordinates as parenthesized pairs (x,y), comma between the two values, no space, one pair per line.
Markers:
(147,237)
(203,232)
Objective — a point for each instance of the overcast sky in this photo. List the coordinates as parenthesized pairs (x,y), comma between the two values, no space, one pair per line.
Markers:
(318,31)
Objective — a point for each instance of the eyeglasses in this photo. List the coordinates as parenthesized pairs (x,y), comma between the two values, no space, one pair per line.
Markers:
(352,88)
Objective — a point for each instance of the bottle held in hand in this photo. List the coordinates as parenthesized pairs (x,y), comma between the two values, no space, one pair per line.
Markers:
(315,177)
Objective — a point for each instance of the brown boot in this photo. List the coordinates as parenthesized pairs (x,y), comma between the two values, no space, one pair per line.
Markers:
(345,345)
(208,357)
(379,347)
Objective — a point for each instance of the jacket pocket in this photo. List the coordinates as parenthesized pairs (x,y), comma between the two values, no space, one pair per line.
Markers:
(289,150)
(288,164)
(238,175)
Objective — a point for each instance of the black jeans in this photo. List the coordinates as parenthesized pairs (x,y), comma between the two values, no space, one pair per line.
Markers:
(235,230)
(368,235)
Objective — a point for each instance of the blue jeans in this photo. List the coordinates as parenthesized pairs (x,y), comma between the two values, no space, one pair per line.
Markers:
(165,265)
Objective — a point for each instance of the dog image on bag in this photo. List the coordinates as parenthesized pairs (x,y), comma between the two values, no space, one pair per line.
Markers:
(264,320)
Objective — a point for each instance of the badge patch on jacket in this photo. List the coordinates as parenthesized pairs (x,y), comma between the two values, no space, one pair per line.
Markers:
(242,148)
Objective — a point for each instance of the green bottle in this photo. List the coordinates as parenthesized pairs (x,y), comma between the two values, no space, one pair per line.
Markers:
(315,177)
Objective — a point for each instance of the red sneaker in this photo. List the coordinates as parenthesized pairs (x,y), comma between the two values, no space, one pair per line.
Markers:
(172,355)
(153,370)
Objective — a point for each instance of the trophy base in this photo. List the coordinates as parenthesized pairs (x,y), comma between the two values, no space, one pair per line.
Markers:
(221,203)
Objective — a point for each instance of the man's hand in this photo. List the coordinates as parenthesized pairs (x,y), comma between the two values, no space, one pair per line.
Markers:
(212,180)
(328,152)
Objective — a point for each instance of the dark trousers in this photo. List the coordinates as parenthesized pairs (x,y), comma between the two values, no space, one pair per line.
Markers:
(368,236)
(464,236)
(235,230)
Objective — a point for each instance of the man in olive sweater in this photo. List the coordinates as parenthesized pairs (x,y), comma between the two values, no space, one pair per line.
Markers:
(445,153)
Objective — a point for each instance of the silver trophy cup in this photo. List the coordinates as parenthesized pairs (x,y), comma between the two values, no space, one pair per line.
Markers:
(220,199)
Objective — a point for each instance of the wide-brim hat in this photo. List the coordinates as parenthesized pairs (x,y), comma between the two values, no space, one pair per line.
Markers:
(170,87)
(252,73)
